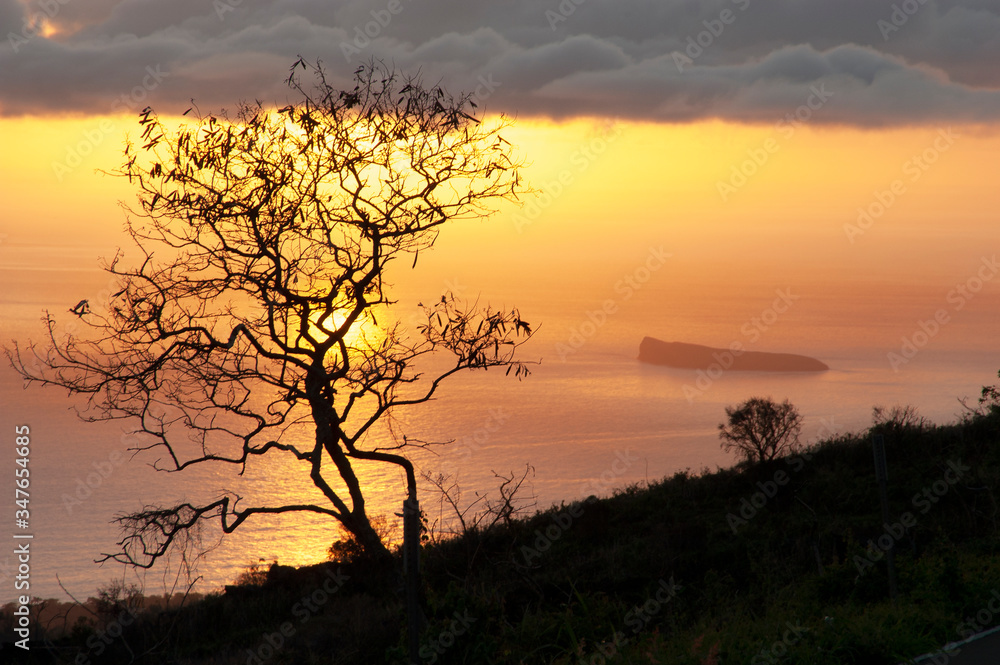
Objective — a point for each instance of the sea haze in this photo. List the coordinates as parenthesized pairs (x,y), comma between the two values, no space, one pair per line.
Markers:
(589,418)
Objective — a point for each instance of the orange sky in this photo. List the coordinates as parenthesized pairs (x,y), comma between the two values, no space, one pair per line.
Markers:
(719,193)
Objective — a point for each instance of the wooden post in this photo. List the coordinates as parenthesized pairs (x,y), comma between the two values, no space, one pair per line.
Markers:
(882,475)
(411,572)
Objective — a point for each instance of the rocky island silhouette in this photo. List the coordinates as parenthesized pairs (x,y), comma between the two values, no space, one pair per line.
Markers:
(696,356)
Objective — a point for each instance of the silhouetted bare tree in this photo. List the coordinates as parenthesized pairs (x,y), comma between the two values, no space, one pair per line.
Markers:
(759,429)
(264,242)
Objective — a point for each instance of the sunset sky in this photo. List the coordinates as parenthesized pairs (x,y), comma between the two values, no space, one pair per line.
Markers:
(842,148)
(734,118)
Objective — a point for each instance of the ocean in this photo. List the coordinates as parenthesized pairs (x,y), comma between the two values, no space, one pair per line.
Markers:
(590,418)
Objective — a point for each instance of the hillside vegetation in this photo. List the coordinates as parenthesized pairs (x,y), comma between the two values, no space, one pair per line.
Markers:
(782,561)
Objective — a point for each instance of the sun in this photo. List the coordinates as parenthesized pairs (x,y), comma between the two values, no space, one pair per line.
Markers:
(361,336)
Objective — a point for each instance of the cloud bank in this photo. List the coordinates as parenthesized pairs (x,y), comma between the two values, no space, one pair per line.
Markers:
(879,63)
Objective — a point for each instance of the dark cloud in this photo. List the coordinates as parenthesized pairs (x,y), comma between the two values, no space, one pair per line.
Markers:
(11,16)
(877,63)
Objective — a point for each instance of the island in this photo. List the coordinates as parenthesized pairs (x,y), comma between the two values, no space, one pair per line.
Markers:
(736,358)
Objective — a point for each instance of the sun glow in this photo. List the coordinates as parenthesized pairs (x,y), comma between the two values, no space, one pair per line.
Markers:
(645,181)
(365,333)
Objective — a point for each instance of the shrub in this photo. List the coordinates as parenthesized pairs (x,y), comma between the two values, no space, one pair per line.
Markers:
(760,430)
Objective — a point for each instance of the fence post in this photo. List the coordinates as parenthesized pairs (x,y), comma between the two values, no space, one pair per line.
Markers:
(411,573)
(882,475)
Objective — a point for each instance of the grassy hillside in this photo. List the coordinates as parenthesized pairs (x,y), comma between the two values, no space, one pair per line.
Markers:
(777,562)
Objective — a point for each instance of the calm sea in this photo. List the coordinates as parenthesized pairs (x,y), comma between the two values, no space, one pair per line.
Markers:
(589,418)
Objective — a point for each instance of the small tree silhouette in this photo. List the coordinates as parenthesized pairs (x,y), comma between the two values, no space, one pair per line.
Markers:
(760,429)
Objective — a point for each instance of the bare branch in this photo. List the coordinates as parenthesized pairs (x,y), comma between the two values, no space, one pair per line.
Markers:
(253,321)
